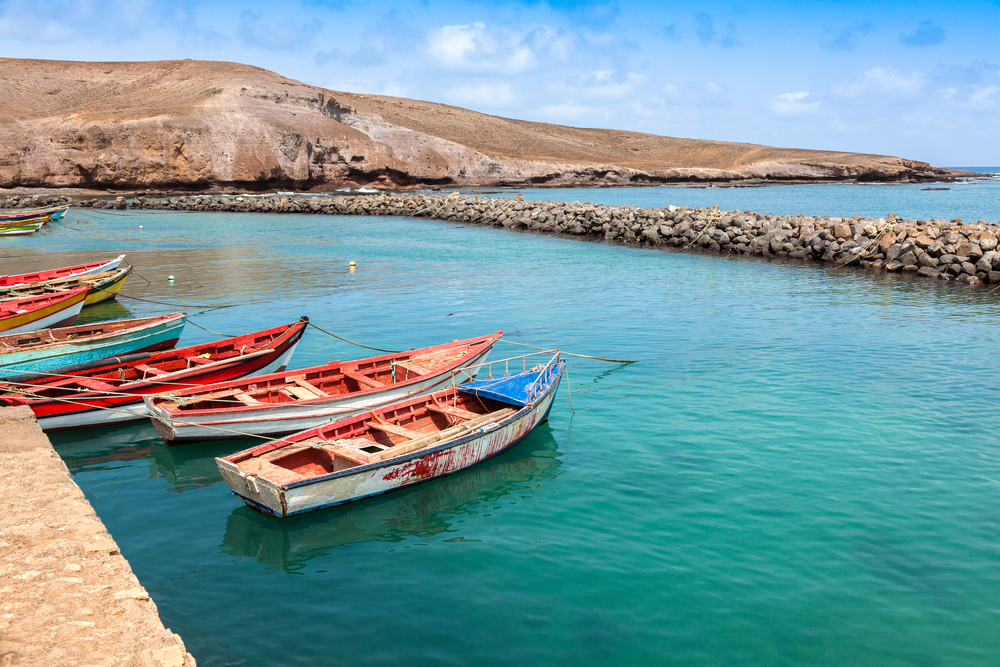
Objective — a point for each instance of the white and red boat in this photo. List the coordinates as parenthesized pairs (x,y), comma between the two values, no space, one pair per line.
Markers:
(42,312)
(398,445)
(111,390)
(300,399)
(61,273)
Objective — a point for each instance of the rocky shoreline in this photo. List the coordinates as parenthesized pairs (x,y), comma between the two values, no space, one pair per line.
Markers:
(936,248)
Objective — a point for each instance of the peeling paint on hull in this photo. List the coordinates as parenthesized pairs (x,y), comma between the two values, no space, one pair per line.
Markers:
(379,478)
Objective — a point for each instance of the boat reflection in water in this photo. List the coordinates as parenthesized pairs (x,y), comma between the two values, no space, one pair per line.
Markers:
(105,448)
(422,511)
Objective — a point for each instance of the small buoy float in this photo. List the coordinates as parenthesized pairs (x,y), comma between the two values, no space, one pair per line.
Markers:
(140,226)
(351,264)
(170,277)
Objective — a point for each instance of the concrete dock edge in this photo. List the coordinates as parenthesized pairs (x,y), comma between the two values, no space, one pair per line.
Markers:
(67,596)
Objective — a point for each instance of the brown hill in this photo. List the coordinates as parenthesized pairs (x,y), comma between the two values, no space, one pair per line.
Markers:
(198,124)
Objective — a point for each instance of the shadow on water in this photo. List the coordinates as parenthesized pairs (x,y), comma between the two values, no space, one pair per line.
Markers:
(910,569)
(184,468)
(105,310)
(422,511)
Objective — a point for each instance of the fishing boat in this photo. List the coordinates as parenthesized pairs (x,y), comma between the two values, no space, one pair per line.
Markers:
(64,272)
(111,390)
(48,212)
(41,312)
(22,227)
(64,349)
(296,400)
(102,286)
(397,445)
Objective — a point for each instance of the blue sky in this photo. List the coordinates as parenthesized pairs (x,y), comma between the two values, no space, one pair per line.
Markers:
(916,79)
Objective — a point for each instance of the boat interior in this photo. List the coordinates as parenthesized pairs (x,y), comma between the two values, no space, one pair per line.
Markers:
(333,379)
(113,377)
(373,437)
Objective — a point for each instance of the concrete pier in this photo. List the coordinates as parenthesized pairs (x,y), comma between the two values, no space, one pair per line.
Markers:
(67,596)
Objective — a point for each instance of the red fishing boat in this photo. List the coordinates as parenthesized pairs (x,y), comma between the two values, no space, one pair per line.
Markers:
(397,445)
(307,397)
(111,390)
(42,312)
(64,272)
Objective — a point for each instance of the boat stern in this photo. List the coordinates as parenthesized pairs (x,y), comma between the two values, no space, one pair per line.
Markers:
(257,492)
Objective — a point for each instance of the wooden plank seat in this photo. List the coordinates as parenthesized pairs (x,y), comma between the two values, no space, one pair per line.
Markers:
(95,385)
(299,392)
(393,429)
(452,411)
(246,399)
(149,370)
(300,380)
(363,379)
(412,368)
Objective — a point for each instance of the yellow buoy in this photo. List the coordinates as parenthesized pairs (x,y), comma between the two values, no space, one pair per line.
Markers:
(351,264)
(170,277)
(140,226)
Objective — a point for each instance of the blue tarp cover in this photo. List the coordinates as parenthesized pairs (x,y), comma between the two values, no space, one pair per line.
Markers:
(507,388)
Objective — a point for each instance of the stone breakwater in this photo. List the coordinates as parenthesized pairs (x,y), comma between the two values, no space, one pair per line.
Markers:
(936,248)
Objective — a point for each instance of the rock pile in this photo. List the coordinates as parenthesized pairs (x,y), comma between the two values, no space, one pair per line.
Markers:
(943,249)
(33,201)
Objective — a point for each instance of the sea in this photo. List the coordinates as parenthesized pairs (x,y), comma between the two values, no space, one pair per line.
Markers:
(798,465)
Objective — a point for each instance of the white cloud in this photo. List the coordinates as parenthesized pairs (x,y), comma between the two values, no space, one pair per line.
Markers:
(985,97)
(881,81)
(482,49)
(794,104)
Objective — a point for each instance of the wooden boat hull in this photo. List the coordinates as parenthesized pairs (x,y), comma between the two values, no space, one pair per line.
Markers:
(373,479)
(63,273)
(103,286)
(107,291)
(141,335)
(22,228)
(279,419)
(59,312)
(53,212)
(124,403)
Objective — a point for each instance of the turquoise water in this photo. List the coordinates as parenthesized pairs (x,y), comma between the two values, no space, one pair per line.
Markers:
(803,467)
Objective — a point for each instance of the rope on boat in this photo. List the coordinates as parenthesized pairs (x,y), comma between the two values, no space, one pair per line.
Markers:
(585,356)
(191,322)
(179,305)
(367,347)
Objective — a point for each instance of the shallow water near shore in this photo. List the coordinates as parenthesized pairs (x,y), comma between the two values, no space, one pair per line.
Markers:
(802,468)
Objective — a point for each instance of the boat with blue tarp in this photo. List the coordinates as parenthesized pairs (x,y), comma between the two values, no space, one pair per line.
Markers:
(401,444)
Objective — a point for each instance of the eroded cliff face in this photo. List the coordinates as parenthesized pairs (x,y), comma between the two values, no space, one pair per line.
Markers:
(195,124)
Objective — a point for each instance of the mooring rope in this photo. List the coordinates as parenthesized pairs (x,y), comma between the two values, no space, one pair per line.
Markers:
(585,356)
(179,305)
(368,347)
(192,323)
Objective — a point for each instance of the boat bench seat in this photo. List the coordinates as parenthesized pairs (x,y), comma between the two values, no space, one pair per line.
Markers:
(95,385)
(412,368)
(363,379)
(149,370)
(393,429)
(452,411)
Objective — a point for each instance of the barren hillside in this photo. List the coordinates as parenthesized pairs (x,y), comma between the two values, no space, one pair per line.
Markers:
(198,124)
